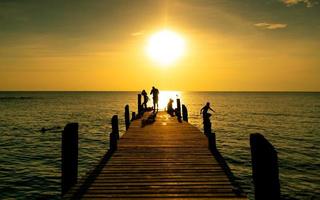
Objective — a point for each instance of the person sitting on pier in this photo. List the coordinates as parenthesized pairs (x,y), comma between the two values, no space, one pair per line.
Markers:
(170,109)
(204,112)
(145,99)
(155,97)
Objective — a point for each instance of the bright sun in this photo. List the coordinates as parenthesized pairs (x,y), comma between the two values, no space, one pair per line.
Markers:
(165,47)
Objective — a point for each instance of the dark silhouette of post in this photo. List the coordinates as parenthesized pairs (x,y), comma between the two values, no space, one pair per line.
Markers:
(208,132)
(127,116)
(140,108)
(69,154)
(115,126)
(113,142)
(178,113)
(206,125)
(212,141)
(184,113)
(265,171)
(133,117)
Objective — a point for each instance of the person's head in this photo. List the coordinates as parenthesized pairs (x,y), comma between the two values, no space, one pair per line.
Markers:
(143,91)
(152,87)
(208,104)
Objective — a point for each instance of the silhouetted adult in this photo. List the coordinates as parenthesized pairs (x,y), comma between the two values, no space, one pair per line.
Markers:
(155,97)
(170,109)
(145,99)
(204,112)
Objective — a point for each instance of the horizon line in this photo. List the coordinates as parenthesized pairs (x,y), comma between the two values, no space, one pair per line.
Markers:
(230,91)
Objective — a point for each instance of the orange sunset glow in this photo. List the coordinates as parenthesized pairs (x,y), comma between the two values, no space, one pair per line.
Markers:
(178,45)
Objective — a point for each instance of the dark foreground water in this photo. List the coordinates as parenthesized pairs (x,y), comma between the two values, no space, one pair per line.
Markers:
(30,160)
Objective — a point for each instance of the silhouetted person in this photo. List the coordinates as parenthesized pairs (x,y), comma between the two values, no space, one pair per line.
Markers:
(170,109)
(204,112)
(155,98)
(145,99)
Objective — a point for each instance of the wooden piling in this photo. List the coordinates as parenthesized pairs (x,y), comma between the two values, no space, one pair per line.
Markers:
(140,109)
(127,116)
(178,113)
(265,171)
(212,141)
(206,125)
(113,142)
(184,113)
(69,154)
(115,126)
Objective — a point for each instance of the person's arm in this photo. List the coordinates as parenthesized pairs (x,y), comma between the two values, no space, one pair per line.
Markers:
(212,109)
(201,111)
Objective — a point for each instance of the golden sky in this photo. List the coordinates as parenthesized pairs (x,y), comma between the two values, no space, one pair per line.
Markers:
(249,45)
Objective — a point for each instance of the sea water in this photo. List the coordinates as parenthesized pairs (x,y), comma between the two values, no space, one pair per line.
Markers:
(30,159)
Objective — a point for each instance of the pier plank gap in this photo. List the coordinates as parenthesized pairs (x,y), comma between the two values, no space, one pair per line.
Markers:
(166,159)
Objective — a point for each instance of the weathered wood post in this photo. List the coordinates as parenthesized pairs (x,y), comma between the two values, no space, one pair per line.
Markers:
(69,154)
(184,113)
(178,113)
(133,117)
(208,132)
(140,109)
(206,124)
(127,116)
(265,171)
(113,142)
(115,126)
(212,141)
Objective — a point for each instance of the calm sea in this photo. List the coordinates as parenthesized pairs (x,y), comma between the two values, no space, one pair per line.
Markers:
(30,160)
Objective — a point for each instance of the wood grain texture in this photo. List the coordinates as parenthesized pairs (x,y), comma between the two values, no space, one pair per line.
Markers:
(167,159)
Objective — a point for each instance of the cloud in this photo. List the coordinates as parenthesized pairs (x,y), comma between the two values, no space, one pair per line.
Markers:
(139,33)
(270,26)
(308,3)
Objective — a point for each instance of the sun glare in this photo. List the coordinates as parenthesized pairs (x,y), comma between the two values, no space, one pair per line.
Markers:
(165,47)
(164,97)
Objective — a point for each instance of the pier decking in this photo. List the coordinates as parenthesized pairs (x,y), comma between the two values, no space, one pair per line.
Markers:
(166,159)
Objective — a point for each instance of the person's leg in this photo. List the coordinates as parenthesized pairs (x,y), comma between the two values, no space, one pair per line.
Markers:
(145,105)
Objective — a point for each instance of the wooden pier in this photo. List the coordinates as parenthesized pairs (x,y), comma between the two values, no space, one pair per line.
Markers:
(166,159)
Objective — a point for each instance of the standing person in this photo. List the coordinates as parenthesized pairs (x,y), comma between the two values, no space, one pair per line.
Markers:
(145,99)
(204,111)
(206,118)
(155,97)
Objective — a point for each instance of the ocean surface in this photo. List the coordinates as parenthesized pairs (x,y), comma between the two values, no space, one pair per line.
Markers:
(30,159)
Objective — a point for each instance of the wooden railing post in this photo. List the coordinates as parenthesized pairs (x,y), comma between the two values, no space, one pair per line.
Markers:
(139,105)
(265,171)
(206,125)
(178,113)
(69,154)
(127,116)
(113,142)
(212,141)
(208,132)
(115,126)
(184,113)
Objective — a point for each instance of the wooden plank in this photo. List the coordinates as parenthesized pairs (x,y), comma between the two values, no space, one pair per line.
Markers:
(166,159)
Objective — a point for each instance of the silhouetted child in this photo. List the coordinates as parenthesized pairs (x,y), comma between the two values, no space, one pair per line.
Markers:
(155,98)
(170,109)
(145,99)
